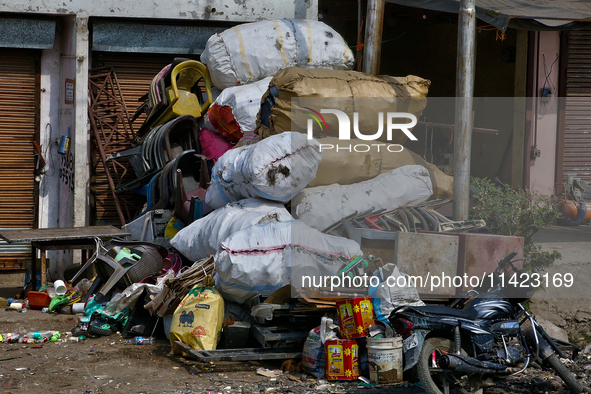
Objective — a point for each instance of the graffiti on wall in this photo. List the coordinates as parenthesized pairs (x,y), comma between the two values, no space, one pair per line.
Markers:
(66,171)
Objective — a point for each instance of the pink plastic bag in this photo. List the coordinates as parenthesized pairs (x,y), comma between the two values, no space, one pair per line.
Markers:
(213,145)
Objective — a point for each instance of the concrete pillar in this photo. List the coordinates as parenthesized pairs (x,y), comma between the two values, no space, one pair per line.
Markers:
(80,132)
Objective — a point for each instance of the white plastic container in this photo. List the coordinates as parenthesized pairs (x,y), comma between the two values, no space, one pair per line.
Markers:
(385,360)
(60,287)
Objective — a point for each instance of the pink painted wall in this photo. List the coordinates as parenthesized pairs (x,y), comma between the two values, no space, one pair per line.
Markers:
(542,169)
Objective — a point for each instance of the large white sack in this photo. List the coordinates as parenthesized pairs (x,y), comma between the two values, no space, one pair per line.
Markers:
(276,168)
(245,101)
(252,51)
(203,237)
(322,206)
(264,258)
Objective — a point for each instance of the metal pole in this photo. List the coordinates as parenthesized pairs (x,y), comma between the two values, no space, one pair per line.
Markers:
(373,36)
(464,117)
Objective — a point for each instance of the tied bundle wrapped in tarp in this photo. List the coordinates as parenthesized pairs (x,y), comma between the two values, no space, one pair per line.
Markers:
(275,169)
(252,51)
(204,236)
(347,91)
(322,206)
(264,258)
(235,110)
(346,168)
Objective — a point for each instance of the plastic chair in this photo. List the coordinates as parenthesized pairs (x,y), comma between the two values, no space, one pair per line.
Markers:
(181,100)
(192,181)
(179,136)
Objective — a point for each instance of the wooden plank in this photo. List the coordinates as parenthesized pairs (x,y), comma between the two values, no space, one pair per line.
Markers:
(246,354)
(61,234)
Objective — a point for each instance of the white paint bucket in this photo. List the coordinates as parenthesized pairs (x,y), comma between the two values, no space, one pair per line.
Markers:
(385,360)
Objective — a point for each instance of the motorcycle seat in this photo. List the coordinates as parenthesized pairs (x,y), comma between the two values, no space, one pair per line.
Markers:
(469,314)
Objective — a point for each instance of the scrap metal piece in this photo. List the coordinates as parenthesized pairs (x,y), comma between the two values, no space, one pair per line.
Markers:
(246,354)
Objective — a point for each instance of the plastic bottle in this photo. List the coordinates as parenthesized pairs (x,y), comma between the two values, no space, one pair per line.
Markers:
(142,341)
(10,337)
(83,286)
(33,340)
(40,334)
(17,306)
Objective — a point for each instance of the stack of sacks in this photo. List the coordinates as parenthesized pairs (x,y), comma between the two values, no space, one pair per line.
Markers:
(242,60)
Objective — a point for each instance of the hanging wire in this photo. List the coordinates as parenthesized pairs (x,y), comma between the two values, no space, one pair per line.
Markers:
(47,153)
(499,36)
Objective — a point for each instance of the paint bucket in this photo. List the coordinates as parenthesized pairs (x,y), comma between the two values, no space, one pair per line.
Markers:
(385,360)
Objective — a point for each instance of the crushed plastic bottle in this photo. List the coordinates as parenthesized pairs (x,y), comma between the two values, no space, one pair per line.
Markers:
(10,337)
(40,334)
(142,341)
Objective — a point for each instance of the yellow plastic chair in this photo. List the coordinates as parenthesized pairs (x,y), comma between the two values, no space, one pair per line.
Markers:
(181,100)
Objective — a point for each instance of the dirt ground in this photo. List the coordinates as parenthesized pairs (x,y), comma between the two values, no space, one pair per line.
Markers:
(570,311)
(110,365)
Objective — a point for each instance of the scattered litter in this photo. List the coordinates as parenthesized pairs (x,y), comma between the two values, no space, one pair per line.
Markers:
(268,373)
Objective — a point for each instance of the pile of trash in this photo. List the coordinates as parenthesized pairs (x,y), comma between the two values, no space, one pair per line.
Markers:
(240,211)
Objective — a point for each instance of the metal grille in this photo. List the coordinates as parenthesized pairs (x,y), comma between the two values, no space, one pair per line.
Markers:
(18,124)
(577,133)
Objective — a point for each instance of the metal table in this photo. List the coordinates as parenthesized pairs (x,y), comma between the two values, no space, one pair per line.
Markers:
(64,238)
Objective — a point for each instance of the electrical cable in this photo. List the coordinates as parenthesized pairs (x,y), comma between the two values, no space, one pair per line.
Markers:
(47,154)
(542,110)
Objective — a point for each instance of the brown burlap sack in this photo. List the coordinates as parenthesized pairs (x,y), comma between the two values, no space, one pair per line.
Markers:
(347,91)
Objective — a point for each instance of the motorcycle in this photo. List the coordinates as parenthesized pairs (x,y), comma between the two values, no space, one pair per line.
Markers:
(479,339)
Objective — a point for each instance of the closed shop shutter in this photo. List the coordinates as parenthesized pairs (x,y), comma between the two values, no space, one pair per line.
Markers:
(19,89)
(577,132)
(134,72)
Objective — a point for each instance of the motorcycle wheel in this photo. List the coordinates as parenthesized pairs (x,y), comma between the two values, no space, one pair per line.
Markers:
(433,380)
(566,375)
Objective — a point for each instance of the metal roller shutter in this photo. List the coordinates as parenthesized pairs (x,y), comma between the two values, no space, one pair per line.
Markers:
(19,90)
(577,132)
